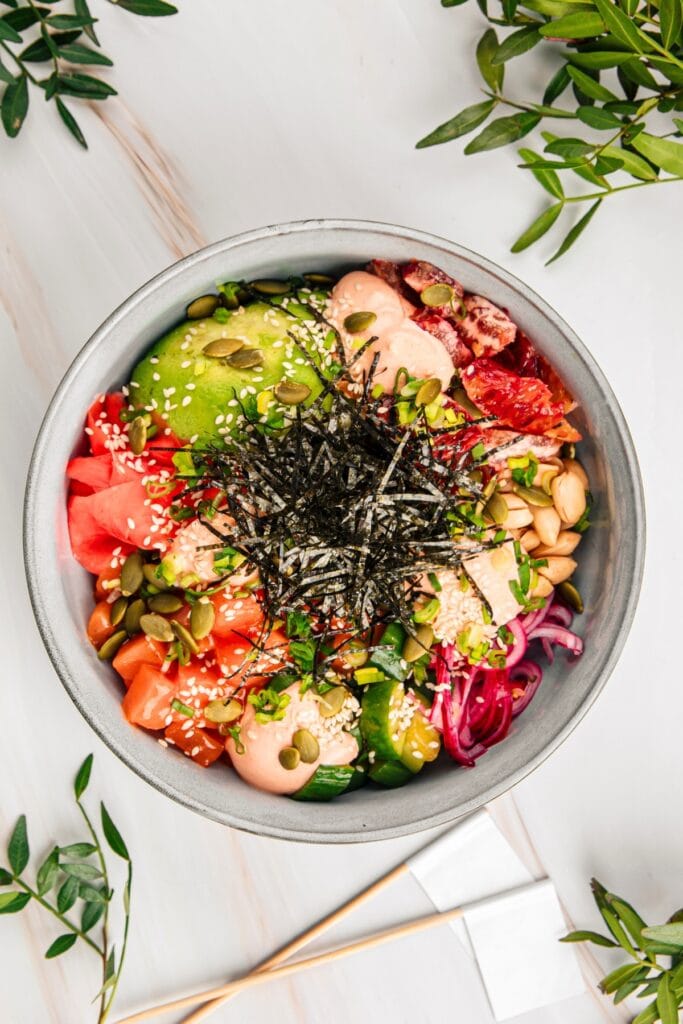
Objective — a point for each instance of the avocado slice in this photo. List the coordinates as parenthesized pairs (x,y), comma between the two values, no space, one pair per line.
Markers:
(175,369)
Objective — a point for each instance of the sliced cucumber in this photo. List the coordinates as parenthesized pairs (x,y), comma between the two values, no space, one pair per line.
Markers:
(329,781)
(388,657)
(378,721)
(390,774)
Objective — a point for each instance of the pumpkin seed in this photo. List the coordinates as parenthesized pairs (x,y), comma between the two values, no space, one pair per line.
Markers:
(246,358)
(307,745)
(437,295)
(202,618)
(461,397)
(270,287)
(118,610)
(137,435)
(184,636)
(157,627)
(319,279)
(571,595)
(223,347)
(332,701)
(165,604)
(221,711)
(428,392)
(533,495)
(205,305)
(355,655)
(289,758)
(131,574)
(111,645)
(355,323)
(149,571)
(134,612)
(290,393)
(417,645)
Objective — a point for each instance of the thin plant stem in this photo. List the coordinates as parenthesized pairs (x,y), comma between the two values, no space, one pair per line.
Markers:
(60,917)
(105,916)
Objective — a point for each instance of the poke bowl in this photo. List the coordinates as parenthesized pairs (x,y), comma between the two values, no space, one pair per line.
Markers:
(334,531)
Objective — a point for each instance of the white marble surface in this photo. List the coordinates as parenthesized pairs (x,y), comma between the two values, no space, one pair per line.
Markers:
(234,115)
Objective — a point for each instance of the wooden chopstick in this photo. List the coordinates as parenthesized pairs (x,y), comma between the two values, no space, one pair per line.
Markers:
(263,976)
(304,938)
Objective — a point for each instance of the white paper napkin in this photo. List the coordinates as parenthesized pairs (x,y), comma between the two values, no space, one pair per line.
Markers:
(510,927)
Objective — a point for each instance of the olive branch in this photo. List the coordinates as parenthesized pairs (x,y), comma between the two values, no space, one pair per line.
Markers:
(43,47)
(622,62)
(77,874)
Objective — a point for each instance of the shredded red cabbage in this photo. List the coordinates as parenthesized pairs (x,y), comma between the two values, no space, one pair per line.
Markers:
(474,705)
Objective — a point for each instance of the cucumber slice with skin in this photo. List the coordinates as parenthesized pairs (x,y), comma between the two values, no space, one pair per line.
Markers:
(378,721)
(329,781)
(391,774)
(388,656)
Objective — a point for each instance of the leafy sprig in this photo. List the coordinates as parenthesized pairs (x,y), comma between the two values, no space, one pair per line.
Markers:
(72,883)
(622,66)
(44,44)
(643,976)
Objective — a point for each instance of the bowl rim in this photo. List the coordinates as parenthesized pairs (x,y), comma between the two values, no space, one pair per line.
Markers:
(40,455)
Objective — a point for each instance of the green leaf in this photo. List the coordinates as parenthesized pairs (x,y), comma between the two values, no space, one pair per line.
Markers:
(582,25)
(112,834)
(538,228)
(572,236)
(47,872)
(66,21)
(67,895)
(622,27)
(599,59)
(647,1016)
(61,945)
(14,106)
(5,75)
(664,153)
(517,43)
(83,777)
(669,70)
(546,177)
(7,33)
(625,990)
(667,1003)
(13,902)
(619,976)
(77,53)
(5,877)
(85,872)
(151,8)
(92,912)
(502,131)
(78,850)
(671,21)
(463,123)
(569,147)
(492,74)
(71,123)
(594,937)
(597,117)
(83,11)
(628,917)
(589,86)
(18,848)
(672,934)
(636,71)
(557,84)
(92,895)
(607,165)
(84,86)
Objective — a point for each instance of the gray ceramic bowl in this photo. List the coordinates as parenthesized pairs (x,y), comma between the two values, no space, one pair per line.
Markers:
(610,562)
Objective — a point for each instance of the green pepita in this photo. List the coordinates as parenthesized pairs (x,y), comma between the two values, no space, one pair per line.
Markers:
(290,393)
(533,495)
(111,645)
(428,392)
(496,509)
(165,604)
(356,323)
(270,287)
(246,359)
(289,758)
(131,574)
(322,280)
(355,654)
(437,295)
(332,701)
(571,595)
(184,636)
(157,627)
(137,435)
(118,610)
(223,347)
(307,745)
(204,306)
(134,612)
(202,618)
(221,711)
(461,397)
(155,579)
(419,644)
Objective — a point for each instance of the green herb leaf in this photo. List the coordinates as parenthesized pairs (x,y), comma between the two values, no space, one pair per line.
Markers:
(671,934)
(588,936)
(92,912)
(628,916)
(112,834)
(77,53)
(622,27)
(538,228)
(493,74)
(546,177)
(598,117)
(633,163)
(589,86)
(7,33)
(86,872)
(18,848)
(667,1002)
(67,21)
(14,106)
(84,86)
(647,1016)
(5,877)
(557,84)
(83,11)
(47,872)
(90,894)
(665,153)
(71,123)
(463,123)
(516,44)
(581,25)
(67,895)
(147,8)
(575,232)
(671,21)
(620,976)
(78,850)
(13,902)
(503,131)
(61,945)
(569,148)
(83,777)
(599,59)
